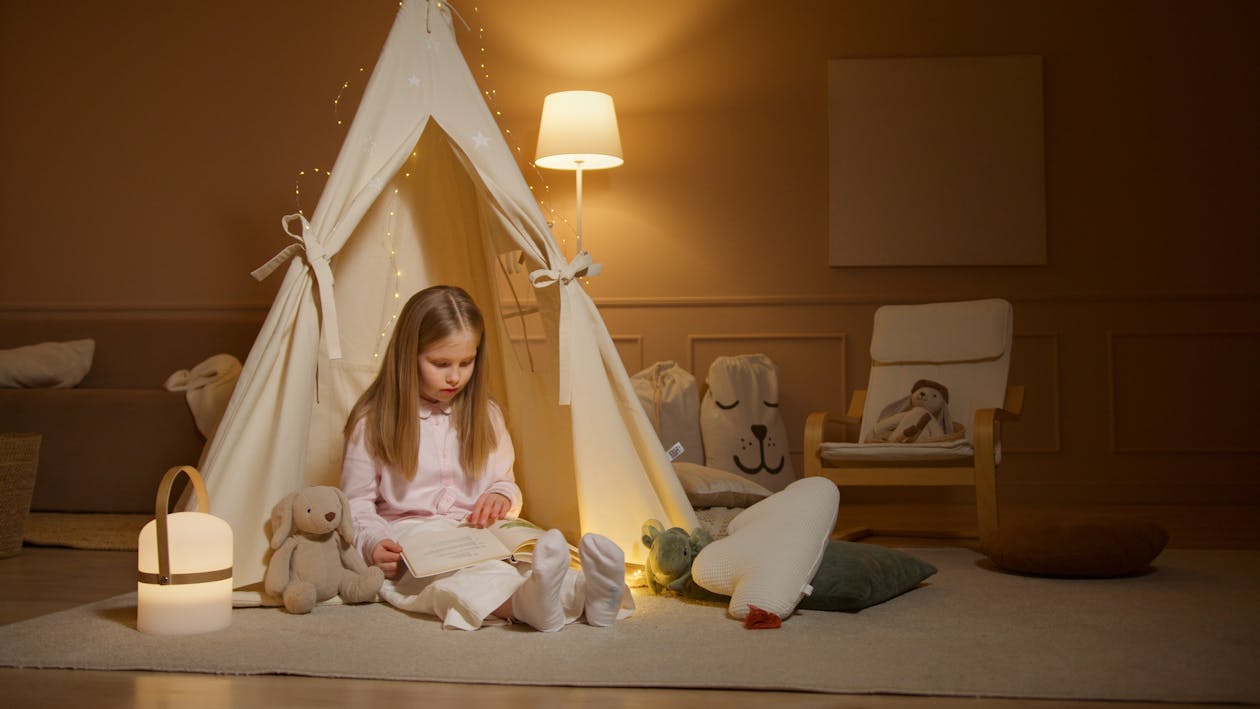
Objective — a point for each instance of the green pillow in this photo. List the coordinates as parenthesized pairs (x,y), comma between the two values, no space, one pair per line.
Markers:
(854,576)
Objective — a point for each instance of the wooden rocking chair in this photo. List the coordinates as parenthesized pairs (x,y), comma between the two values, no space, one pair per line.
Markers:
(963,347)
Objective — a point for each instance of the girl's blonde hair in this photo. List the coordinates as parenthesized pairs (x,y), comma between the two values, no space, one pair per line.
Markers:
(389,407)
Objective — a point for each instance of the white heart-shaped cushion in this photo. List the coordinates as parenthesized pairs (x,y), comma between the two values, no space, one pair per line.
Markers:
(773,549)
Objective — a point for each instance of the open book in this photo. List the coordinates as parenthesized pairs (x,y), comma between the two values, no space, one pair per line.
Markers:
(428,553)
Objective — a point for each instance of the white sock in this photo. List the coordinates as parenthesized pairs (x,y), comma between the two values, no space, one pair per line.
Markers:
(604,565)
(537,602)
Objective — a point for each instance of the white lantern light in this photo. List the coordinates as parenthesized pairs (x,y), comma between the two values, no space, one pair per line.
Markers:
(185,567)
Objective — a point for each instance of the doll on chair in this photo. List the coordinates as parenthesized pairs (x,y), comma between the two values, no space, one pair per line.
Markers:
(921,417)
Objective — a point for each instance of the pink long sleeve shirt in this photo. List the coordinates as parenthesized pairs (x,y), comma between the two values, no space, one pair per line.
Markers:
(379,495)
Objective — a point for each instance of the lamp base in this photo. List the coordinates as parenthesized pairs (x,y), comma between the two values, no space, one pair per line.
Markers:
(183,609)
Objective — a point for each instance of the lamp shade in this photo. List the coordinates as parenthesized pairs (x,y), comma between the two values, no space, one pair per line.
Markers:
(578,131)
(185,566)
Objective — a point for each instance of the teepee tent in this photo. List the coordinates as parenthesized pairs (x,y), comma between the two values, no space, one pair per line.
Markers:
(425,190)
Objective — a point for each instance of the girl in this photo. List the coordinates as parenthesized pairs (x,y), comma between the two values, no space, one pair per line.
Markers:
(427,449)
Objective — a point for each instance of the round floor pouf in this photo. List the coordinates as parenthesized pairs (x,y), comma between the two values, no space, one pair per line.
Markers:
(1076,546)
(19,459)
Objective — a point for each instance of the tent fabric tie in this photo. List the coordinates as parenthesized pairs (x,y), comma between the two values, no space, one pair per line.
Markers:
(567,276)
(317,259)
(544,277)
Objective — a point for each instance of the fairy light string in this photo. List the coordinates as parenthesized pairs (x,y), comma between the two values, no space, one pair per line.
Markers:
(392,304)
(491,94)
(297,182)
(534,179)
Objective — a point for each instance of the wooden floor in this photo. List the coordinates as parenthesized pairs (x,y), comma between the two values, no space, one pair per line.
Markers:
(43,580)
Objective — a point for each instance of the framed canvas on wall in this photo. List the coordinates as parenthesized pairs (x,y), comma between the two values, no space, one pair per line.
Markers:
(936,162)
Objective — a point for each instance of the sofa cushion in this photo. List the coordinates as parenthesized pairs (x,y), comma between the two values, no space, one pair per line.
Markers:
(103,450)
(46,364)
(134,351)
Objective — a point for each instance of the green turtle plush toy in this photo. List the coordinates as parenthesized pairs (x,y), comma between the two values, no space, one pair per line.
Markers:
(670,553)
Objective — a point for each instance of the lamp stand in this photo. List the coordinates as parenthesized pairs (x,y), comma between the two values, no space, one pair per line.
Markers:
(579,205)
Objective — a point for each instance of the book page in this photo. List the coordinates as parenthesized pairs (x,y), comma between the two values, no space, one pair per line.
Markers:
(516,534)
(434,552)
(520,536)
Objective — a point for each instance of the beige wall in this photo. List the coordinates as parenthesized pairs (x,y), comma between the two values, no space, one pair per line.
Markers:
(150,149)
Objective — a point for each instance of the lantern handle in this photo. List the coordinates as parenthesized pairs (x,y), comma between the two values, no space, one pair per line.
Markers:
(168,481)
(163,543)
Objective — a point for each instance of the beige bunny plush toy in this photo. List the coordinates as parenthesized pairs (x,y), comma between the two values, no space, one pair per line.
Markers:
(314,557)
(921,417)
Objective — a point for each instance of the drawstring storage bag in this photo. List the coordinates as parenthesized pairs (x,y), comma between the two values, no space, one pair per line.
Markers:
(740,422)
(669,395)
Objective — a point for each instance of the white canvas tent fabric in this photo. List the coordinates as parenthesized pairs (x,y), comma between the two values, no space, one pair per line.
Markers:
(425,190)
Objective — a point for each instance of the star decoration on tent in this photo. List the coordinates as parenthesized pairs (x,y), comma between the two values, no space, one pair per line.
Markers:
(430,43)
(480,140)
(414,80)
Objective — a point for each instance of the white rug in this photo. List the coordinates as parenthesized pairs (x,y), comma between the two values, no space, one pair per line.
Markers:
(1187,632)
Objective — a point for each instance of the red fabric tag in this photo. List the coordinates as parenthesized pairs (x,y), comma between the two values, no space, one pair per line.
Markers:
(761,620)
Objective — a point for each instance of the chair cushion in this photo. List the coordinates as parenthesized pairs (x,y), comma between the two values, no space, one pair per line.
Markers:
(963,346)
(773,550)
(941,333)
(1077,546)
(958,450)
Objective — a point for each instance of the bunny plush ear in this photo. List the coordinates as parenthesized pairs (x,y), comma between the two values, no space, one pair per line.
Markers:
(282,520)
(346,528)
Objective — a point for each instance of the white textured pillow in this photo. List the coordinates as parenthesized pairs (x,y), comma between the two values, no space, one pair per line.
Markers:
(773,550)
(711,487)
(46,365)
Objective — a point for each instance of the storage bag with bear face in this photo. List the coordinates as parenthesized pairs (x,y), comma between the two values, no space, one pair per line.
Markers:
(740,422)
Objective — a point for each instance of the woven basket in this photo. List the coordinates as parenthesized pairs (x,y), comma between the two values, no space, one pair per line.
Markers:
(19,459)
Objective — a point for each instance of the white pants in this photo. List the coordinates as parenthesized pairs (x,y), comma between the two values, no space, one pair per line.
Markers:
(464,599)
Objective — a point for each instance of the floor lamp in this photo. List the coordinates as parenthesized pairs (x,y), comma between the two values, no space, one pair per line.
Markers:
(578,132)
